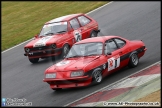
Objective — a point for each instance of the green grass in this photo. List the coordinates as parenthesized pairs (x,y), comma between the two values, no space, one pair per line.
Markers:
(22,20)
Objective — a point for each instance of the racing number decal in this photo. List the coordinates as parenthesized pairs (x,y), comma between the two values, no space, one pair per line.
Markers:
(113,62)
(77,35)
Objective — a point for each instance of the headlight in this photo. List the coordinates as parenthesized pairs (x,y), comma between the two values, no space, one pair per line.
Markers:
(27,49)
(50,75)
(53,46)
(76,73)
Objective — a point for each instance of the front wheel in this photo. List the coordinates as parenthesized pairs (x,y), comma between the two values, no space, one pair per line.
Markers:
(133,62)
(97,77)
(65,51)
(34,60)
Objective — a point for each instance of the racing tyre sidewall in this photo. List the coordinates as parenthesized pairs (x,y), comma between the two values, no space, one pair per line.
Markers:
(134,60)
(65,51)
(93,34)
(97,77)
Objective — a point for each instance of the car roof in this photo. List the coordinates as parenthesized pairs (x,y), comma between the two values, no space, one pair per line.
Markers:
(97,39)
(64,18)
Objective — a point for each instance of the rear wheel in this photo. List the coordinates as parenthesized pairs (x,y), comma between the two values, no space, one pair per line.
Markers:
(133,62)
(34,60)
(65,51)
(93,34)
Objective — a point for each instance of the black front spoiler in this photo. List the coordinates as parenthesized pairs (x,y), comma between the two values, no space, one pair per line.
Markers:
(47,51)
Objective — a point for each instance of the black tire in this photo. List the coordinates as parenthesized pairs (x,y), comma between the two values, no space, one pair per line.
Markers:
(56,89)
(34,60)
(93,34)
(97,77)
(65,51)
(134,60)
(53,58)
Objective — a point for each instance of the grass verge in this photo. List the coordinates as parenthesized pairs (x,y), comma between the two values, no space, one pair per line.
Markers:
(21,20)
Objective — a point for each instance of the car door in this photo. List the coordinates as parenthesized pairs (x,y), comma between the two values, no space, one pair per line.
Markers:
(76,29)
(85,29)
(113,55)
(125,50)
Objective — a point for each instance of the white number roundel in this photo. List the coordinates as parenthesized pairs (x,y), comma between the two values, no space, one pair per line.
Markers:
(77,35)
(113,63)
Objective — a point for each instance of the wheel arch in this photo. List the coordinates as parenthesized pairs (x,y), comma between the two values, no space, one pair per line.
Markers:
(93,30)
(66,43)
(133,63)
(132,53)
(97,69)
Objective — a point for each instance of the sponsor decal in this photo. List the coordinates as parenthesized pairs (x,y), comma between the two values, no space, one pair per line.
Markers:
(62,63)
(42,41)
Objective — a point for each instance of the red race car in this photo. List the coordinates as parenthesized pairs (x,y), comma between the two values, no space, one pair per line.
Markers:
(90,60)
(58,35)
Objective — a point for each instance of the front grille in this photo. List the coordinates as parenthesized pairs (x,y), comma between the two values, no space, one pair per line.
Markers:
(40,48)
(37,54)
(68,81)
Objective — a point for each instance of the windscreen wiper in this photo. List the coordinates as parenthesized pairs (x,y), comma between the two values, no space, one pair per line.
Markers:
(61,31)
(49,34)
(90,54)
(75,56)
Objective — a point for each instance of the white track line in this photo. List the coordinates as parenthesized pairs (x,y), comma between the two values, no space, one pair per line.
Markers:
(16,45)
(32,38)
(113,83)
(99,7)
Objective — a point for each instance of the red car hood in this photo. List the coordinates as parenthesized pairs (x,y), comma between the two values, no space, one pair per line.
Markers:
(46,40)
(72,64)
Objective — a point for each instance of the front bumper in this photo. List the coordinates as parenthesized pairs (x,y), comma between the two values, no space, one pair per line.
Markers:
(43,53)
(141,52)
(69,82)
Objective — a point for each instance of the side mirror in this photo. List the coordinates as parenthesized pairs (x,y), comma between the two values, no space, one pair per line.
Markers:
(36,36)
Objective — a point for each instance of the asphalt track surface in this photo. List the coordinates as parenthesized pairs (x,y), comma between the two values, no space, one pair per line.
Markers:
(131,20)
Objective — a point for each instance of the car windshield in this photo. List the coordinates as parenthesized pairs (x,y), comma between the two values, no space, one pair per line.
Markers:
(53,28)
(86,49)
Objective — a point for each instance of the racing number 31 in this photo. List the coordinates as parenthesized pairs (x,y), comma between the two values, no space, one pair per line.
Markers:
(113,62)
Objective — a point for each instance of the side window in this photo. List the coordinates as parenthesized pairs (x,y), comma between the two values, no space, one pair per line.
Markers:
(110,46)
(83,20)
(120,42)
(74,23)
